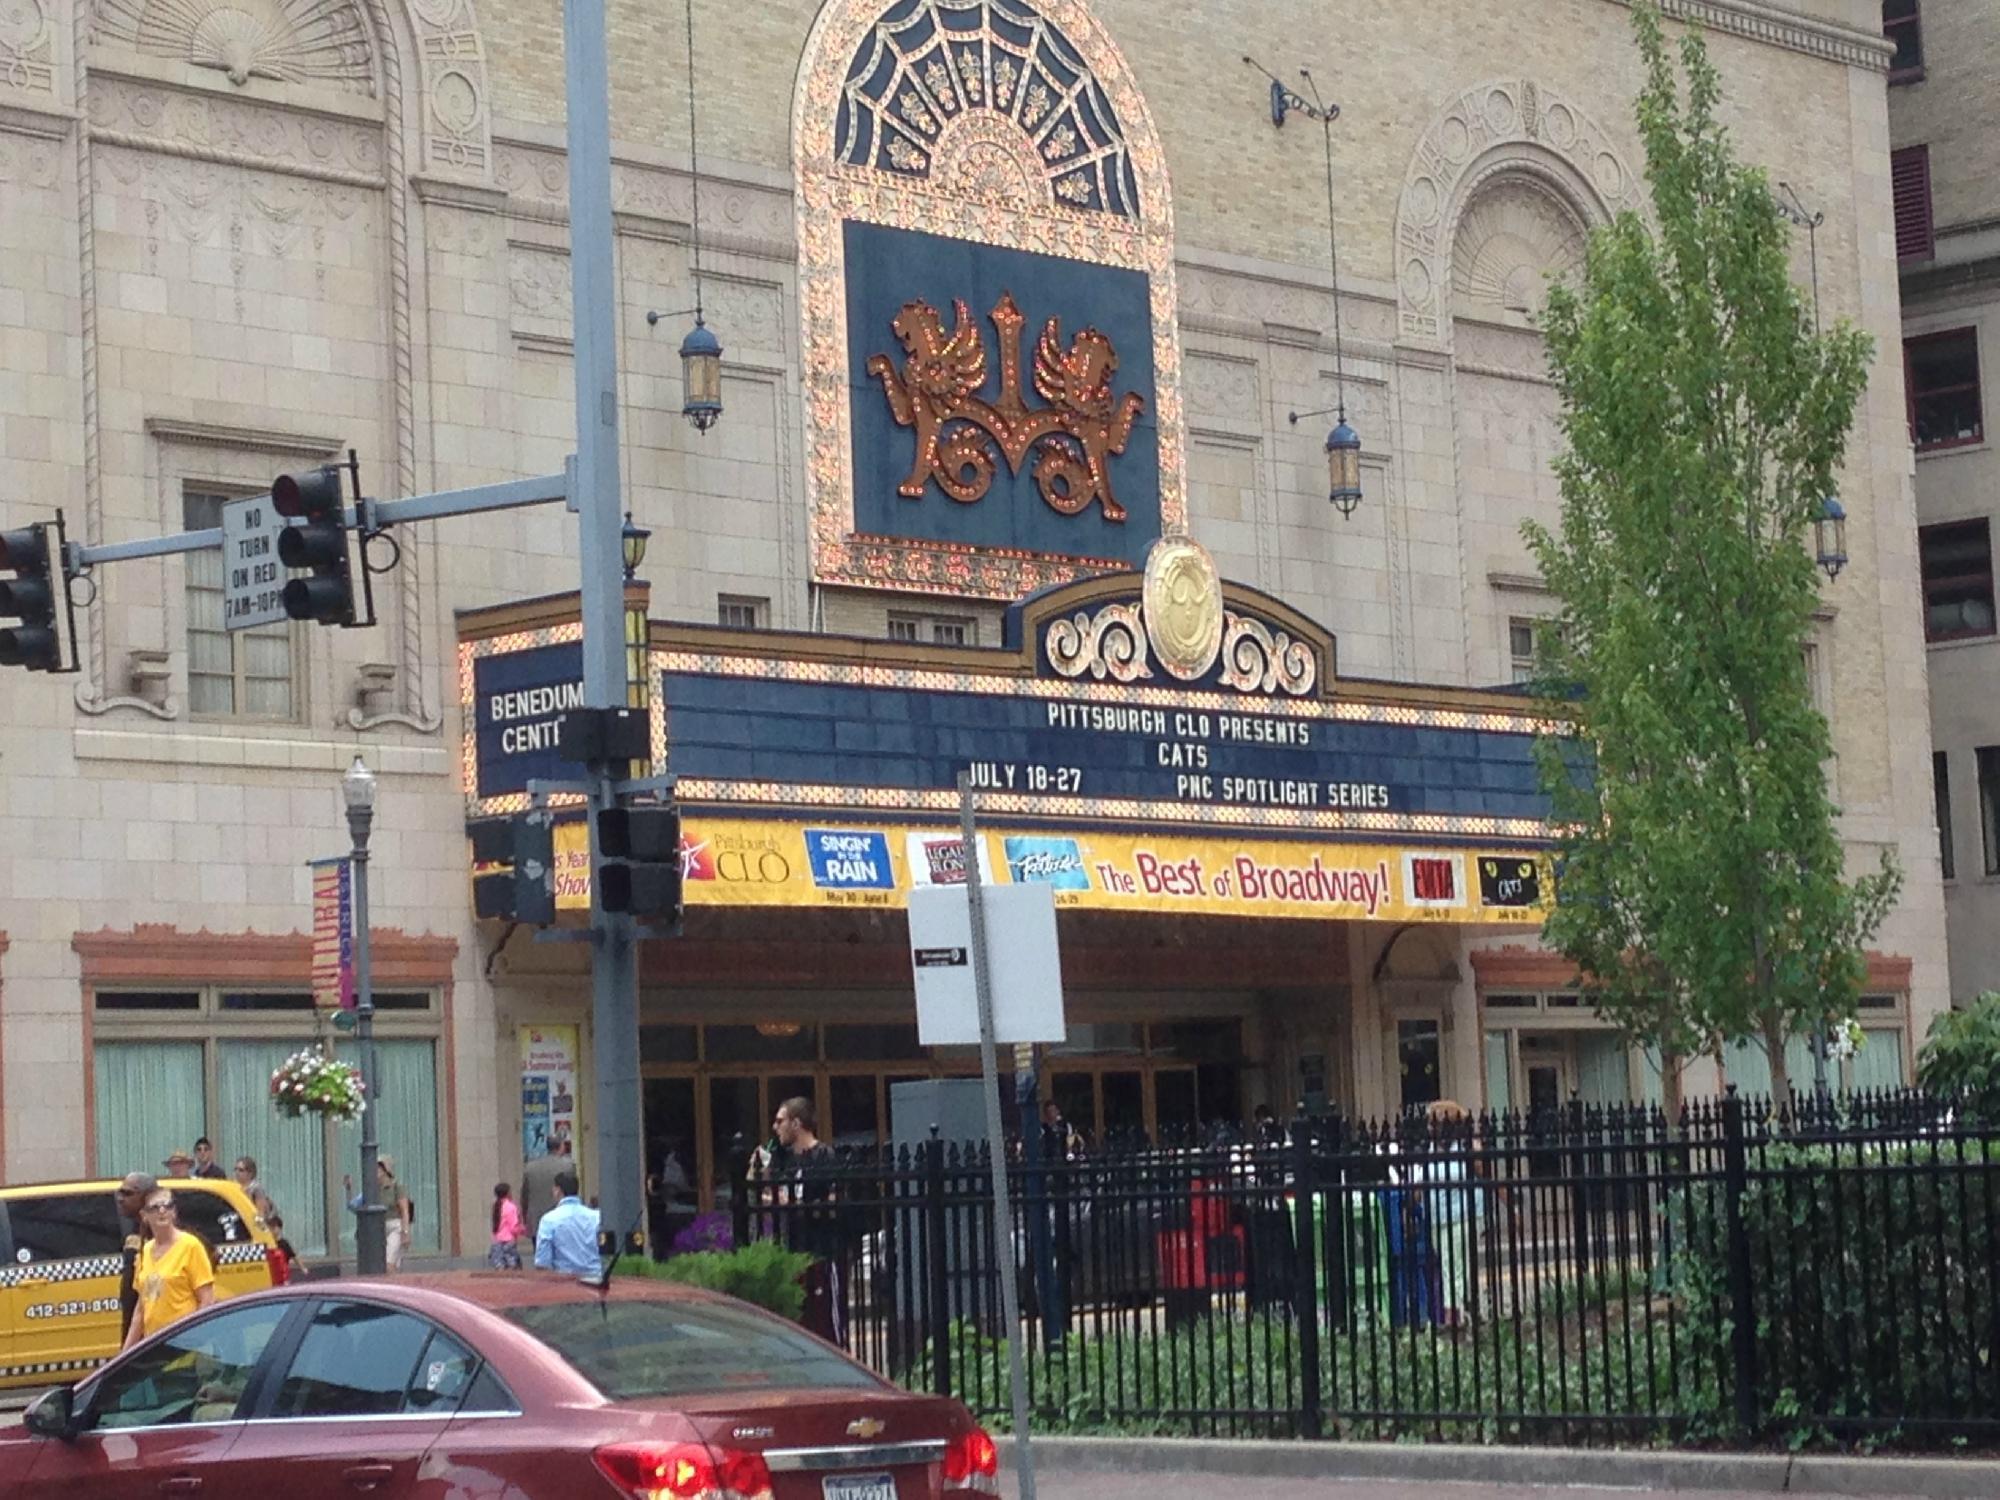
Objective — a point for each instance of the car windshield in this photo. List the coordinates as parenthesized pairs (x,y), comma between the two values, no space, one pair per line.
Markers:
(633,1350)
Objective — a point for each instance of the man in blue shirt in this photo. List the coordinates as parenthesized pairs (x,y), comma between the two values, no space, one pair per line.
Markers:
(566,1239)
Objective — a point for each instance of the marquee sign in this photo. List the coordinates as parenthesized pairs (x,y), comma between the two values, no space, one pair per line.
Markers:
(1168,700)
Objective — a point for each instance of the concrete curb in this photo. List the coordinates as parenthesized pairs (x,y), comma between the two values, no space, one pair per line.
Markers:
(1556,1468)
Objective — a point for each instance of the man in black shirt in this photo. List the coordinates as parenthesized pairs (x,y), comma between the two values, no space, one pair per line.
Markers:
(205,1164)
(130,1196)
(814,1221)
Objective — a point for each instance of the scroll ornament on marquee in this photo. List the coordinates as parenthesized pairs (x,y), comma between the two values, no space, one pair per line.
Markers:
(1180,622)
(1074,437)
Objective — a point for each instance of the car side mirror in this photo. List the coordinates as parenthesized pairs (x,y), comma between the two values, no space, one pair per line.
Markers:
(53,1414)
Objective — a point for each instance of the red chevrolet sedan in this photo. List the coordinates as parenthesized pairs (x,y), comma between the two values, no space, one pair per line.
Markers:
(509,1385)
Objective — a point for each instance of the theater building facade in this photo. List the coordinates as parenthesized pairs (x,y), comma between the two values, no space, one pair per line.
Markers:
(1018,301)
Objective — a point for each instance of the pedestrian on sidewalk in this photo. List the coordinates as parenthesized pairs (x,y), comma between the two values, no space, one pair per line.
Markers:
(205,1164)
(504,1254)
(175,1275)
(566,1239)
(130,1195)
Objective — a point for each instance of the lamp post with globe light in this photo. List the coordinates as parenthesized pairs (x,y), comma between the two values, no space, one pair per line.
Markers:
(357,791)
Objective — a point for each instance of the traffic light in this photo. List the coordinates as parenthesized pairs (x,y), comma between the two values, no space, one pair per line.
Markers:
(525,890)
(30,596)
(326,597)
(639,861)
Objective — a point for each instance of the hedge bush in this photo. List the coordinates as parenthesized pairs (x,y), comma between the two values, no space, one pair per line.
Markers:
(764,1273)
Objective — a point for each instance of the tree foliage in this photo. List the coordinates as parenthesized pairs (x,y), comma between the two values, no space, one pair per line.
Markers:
(1961,1058)
(1701,887)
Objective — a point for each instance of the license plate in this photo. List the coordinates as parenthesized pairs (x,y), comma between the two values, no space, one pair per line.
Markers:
(859,1487)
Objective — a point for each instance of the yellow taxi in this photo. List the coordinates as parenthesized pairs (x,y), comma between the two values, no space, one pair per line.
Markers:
(62,1263)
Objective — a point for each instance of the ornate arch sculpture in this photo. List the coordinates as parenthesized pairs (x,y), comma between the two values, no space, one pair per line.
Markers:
(1515,128)
(1012,123)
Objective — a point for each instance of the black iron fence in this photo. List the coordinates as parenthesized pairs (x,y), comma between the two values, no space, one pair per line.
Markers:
(1825,1271)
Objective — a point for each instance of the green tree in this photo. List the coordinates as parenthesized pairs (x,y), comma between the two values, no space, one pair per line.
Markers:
(1961,1056)
(1701,886)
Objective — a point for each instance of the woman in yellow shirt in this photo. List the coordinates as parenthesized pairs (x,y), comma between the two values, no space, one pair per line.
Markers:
(174,1277)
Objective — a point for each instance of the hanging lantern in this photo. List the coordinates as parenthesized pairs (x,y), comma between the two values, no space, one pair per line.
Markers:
(632,544)
(701,376)
(1830,537)
(1343,467)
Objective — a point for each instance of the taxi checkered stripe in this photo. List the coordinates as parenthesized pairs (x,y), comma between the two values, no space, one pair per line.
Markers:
(50,1367)
(240,1253)
(84,1268)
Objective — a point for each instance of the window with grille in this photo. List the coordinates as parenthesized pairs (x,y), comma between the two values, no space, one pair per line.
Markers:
(1956,561)
(1910,186)
(1942,377)
(1903,25)
(236,674)
(1941,794)
(742,612)
(1988,757)
(1527,638)
(939,630)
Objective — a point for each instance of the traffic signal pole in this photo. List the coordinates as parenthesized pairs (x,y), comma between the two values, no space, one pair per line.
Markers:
(595,496)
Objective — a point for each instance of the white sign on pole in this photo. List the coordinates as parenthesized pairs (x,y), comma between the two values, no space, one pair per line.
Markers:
(253,580)
(1020,947)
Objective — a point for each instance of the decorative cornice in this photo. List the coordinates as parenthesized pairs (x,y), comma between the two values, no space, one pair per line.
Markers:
(46,124)
(1518,968)
(250,160)
(255,439)
(450,193)
(1780,27)
(159,952)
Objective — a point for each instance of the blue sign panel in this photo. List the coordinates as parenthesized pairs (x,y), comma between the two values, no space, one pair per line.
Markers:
(1041,860)
(800,731)
(517,701)
(846,860)
(1000,398)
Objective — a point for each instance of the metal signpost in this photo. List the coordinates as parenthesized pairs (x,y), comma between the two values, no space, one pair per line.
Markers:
(940,966)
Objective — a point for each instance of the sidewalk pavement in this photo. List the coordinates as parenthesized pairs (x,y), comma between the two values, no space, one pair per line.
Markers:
(1304,1468)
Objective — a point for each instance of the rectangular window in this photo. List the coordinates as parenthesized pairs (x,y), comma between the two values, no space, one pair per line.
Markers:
(1956,562)
(939,630)
(1942,376)
(1910,188)
(1941,794)
(1902,24)
(1989,805)
(742,612)
(237,674)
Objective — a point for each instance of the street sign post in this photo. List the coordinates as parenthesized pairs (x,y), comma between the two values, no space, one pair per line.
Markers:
(1025,931)
(253,580)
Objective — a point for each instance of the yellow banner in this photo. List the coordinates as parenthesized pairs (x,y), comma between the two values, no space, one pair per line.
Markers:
(767,862)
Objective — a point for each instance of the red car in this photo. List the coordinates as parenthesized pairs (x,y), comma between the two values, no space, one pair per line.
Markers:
(510,1385)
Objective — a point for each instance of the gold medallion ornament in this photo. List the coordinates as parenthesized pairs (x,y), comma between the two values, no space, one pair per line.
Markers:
(1183,600)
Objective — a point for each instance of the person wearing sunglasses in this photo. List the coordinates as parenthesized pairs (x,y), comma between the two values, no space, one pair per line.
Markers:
(174,1277)
(130,1195)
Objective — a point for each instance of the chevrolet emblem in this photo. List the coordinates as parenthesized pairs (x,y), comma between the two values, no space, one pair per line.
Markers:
(866,1427)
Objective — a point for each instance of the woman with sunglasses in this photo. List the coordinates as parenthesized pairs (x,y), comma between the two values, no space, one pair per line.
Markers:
(174,1276)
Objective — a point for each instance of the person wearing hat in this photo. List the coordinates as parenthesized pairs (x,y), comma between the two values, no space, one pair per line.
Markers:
(179,1163)
(389,1193)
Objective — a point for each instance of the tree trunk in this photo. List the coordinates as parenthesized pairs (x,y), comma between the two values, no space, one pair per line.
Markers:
(1774,1049)
(1672,1065)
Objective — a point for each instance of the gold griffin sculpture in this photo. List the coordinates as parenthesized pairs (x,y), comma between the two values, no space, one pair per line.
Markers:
(1074,437)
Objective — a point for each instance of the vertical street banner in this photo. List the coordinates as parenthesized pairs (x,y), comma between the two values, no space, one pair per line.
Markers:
(333,934)
(548,1091)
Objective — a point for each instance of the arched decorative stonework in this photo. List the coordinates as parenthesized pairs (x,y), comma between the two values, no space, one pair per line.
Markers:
(287,41)
(1002,122)
(1513,128)
(1510,239)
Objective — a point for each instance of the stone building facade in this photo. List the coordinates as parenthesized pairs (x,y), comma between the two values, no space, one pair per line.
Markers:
(1948,230)
(243,239)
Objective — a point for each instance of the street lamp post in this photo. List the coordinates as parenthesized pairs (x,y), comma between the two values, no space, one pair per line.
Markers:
(357,790)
